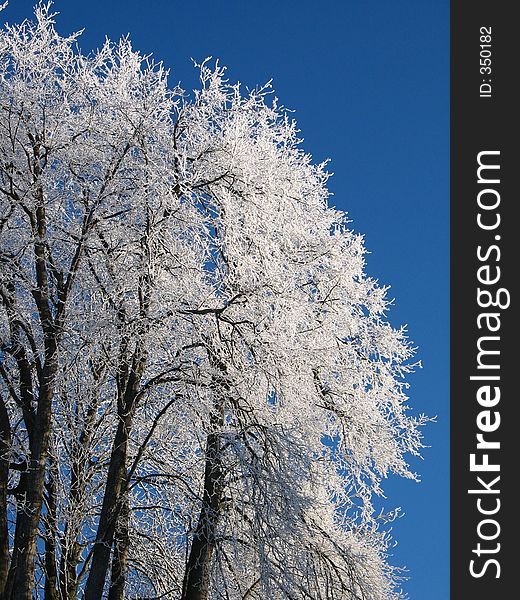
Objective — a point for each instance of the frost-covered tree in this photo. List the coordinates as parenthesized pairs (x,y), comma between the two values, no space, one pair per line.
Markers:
(199,391)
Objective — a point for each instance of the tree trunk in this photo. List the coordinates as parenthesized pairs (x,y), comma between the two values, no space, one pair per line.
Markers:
(20,582)
(51,571)
(128,385)
(108,518)
(121,548)
(197,574)
(5,444)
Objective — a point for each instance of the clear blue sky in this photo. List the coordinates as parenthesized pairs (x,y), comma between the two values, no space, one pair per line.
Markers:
(369,84)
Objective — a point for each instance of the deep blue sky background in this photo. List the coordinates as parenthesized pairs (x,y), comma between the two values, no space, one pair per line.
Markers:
(369,84)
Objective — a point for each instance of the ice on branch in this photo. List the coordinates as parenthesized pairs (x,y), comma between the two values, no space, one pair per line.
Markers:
(199,390)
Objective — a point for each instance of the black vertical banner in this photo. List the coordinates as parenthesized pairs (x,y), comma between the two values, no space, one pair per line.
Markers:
(485,242)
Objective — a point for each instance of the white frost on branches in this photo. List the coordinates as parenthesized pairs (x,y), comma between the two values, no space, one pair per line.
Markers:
(218,369)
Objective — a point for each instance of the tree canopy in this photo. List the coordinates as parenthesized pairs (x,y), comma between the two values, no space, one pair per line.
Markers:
(200,392)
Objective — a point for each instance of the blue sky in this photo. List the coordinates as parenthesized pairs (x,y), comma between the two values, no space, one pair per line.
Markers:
(369,85)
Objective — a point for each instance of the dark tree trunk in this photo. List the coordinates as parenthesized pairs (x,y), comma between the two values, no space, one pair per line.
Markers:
(197,574)
(108,518)
(20,583)
(131,369)
(116,484)
(51,571)
(5,444)
(121,548)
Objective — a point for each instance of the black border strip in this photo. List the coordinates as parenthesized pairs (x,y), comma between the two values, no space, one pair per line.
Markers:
(483,122)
